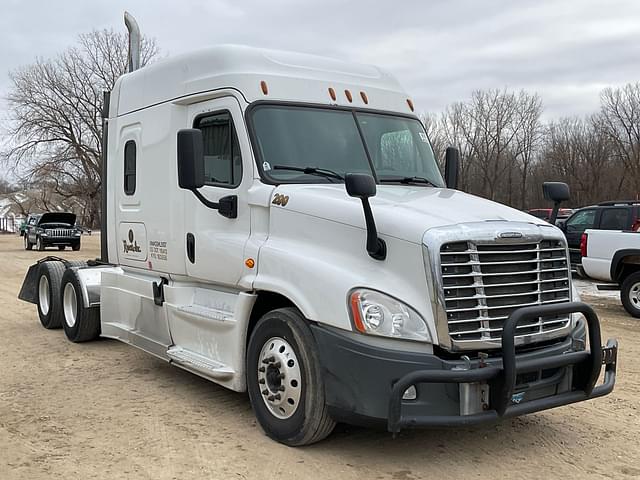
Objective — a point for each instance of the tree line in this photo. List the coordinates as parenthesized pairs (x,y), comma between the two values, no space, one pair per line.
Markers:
(506,149)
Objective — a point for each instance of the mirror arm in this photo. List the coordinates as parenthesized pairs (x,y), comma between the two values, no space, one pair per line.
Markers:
(227,206)
(554,213)
(376,246)
(205,201)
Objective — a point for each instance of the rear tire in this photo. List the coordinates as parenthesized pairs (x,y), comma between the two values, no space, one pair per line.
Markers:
(630,294)
(80,322)
(49,306)
(284,380)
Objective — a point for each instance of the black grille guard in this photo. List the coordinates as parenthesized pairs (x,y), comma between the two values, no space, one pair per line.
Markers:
(586,365)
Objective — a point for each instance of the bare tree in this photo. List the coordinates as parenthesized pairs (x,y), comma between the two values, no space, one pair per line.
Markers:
(620,119)
(529,136)
(56,110)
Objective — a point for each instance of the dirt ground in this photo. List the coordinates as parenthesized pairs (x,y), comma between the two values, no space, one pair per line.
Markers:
(106,410)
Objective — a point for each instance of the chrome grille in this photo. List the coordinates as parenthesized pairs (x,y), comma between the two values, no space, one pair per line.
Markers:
(59,232)
(484,283)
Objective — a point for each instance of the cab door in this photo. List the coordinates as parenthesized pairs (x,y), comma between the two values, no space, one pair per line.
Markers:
(214,243)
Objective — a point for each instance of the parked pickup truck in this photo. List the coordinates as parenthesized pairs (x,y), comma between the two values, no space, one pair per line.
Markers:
(614,256)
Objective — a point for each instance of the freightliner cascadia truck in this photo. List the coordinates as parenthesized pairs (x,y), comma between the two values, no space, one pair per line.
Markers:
(277,223)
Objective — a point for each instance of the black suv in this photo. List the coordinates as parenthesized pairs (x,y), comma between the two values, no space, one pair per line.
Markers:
(618,215)
(52,229)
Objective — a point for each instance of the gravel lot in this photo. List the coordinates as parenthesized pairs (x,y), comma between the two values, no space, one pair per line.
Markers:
(106,410)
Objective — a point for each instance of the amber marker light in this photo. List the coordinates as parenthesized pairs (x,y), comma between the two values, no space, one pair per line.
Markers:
(410,103)
(250,262)
(364,98)
(332,94)
(348,95)
(355,311)
(263,86)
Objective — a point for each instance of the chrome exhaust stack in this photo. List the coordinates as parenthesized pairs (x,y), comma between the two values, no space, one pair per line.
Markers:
(134,41)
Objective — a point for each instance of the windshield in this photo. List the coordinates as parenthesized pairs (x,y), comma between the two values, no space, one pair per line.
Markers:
(310,140)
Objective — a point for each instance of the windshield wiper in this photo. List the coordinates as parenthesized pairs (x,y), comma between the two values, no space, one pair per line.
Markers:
(407,180)
(323,172)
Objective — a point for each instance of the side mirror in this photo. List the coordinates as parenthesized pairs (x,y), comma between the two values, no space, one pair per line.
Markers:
(363,186)
(191,171)
(451,167)
(557,192)
(360,185)
(190,158)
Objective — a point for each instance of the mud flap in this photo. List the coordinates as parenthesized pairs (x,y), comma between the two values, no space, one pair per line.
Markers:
(29,290)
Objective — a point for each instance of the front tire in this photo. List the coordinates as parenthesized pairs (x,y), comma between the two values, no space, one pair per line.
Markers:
(49,306)
(27,244)
(39,244)
(81,323)
(284,380)
(630,294)
(76,246)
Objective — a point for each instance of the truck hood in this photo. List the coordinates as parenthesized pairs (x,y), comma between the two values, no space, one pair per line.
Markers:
(404,212)
(58,217)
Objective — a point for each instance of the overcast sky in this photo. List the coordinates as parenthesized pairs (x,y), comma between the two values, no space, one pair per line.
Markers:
(567,51)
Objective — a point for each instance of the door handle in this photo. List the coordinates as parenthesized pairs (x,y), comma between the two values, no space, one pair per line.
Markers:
(191,247)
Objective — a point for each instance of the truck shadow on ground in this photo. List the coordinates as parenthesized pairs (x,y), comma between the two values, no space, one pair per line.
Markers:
(221,408)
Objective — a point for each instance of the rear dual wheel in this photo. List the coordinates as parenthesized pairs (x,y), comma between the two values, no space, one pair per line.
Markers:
(284,380)
(81,322)
(49,305)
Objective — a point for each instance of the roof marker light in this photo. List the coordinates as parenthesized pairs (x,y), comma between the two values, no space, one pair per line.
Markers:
(348,95)
(410,103)
(364,98)
(263,86)
(332,94)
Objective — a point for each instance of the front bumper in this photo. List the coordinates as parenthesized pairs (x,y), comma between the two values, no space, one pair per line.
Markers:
(53,241)
(365,384)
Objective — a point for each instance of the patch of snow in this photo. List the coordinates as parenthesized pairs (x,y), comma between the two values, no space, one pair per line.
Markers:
(588,287)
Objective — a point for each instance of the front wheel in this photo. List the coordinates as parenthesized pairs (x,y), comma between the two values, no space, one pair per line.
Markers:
(39,244)
(284,380)
(27,244)
(630,294)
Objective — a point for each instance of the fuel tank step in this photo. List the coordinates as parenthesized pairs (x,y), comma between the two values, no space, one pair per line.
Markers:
(200,364)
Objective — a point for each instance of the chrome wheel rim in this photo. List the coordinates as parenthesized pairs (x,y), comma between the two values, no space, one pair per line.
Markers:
(634,295)
(70,305)
(279,377)
(43,294)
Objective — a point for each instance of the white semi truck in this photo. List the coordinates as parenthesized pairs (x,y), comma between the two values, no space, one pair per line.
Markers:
(277,223)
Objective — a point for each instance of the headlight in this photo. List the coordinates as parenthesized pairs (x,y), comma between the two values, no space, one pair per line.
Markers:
(375,313)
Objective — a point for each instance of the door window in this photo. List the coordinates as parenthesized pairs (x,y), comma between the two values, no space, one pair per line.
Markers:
(614,219)
(222,160)
(130,167)
(582,220)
